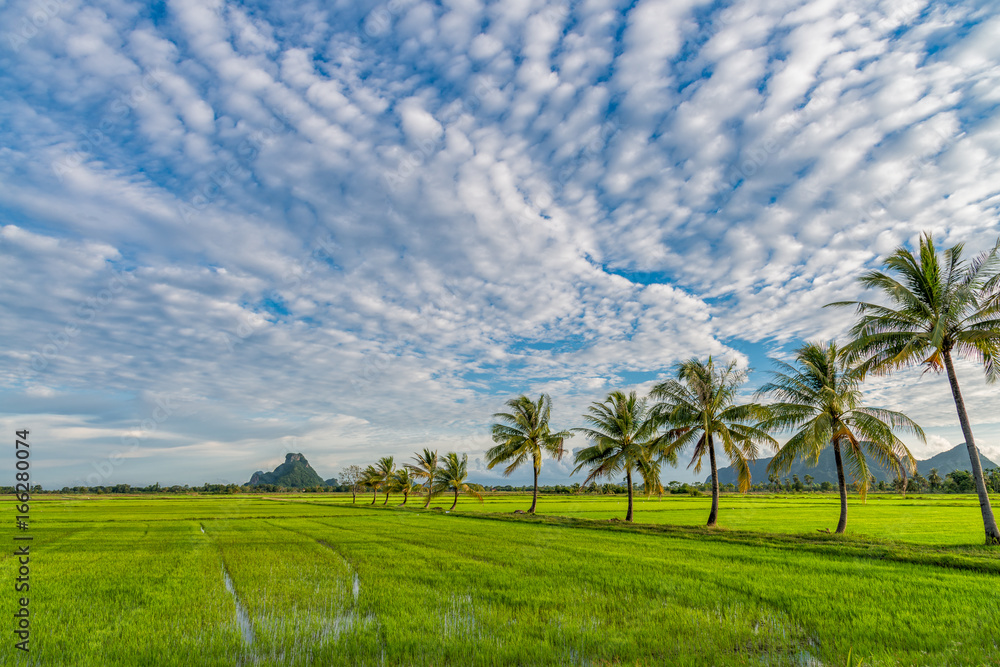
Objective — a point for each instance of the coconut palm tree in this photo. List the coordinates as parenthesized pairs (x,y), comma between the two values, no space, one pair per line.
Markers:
(523,434)
(819,398)
(939,305)
(425,467)
(701,405)
(403,482)
(371,479)
(386,469)
(451,476)
(625,433)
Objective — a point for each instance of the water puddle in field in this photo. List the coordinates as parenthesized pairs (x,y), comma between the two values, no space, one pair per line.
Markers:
(242,617)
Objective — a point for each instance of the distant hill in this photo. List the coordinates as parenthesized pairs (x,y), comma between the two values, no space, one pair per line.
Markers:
(956,458)
(295,472)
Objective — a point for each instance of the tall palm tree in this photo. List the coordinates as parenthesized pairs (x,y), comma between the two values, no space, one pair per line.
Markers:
(425,467)
(819,398)
(371,479)
(403,482)
(625,433)
(451,476)
(524,433)
(701,405)
(939,304)
(386,469)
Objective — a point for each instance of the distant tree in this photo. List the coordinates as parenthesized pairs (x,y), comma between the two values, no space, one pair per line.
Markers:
(524,434)
(819,398)
(993,479)
(386,469)
(624,433)
(934,480)
(403,482)
(826,486)
(938,305)
(881,485)
(701,406)
(351,476)
(424,466)
(899,484)
(809,481)
(774,481)
(918,483)
(960,481)
(451,476)
(797,484)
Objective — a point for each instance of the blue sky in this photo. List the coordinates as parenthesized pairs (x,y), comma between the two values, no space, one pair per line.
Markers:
(351,229)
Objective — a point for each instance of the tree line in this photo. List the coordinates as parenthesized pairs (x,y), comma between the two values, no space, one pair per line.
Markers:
(934,306)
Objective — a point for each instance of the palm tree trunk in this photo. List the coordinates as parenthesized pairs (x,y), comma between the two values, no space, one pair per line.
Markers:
(628,480)
(406,496)
(384,502)
(354,495)
(714,514)
(374,495)
(534,497)
(989,522)
(456,500)
(428,503)
(842,486)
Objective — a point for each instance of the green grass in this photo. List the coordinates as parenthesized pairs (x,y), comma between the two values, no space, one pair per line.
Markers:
(135,581)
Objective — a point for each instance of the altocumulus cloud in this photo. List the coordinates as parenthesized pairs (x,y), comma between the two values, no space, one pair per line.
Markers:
(230,231)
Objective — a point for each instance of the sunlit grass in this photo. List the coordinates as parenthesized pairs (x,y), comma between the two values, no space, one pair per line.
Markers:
(136,581)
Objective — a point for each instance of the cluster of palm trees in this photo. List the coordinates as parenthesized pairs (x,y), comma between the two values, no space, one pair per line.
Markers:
(935,306)
(442,474)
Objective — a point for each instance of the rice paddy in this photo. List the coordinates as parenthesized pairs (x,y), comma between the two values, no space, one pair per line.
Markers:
(312,580)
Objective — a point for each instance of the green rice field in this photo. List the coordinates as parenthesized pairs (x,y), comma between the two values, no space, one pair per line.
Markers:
(312,580)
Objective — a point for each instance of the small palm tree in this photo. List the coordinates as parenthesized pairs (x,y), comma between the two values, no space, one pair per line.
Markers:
(451,476)
(425,467)
(386,469)
(820,399)
(371,479)
(939,305)
(626,436)
(403,482)
(524,433)
(701,406)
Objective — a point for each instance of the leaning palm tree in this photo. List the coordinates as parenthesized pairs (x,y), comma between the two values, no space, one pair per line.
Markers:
(625,433)
(425,467)
(371,479)
(386,469)
(701,405)
(819,398)
(524,433)
(451,476)
(938,305)
(403,482)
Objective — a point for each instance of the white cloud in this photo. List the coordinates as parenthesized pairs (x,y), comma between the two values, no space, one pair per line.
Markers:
(371,226)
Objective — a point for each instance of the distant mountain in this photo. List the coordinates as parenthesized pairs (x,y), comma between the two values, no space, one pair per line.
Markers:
(331,482)
(956,458)
(295,472)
